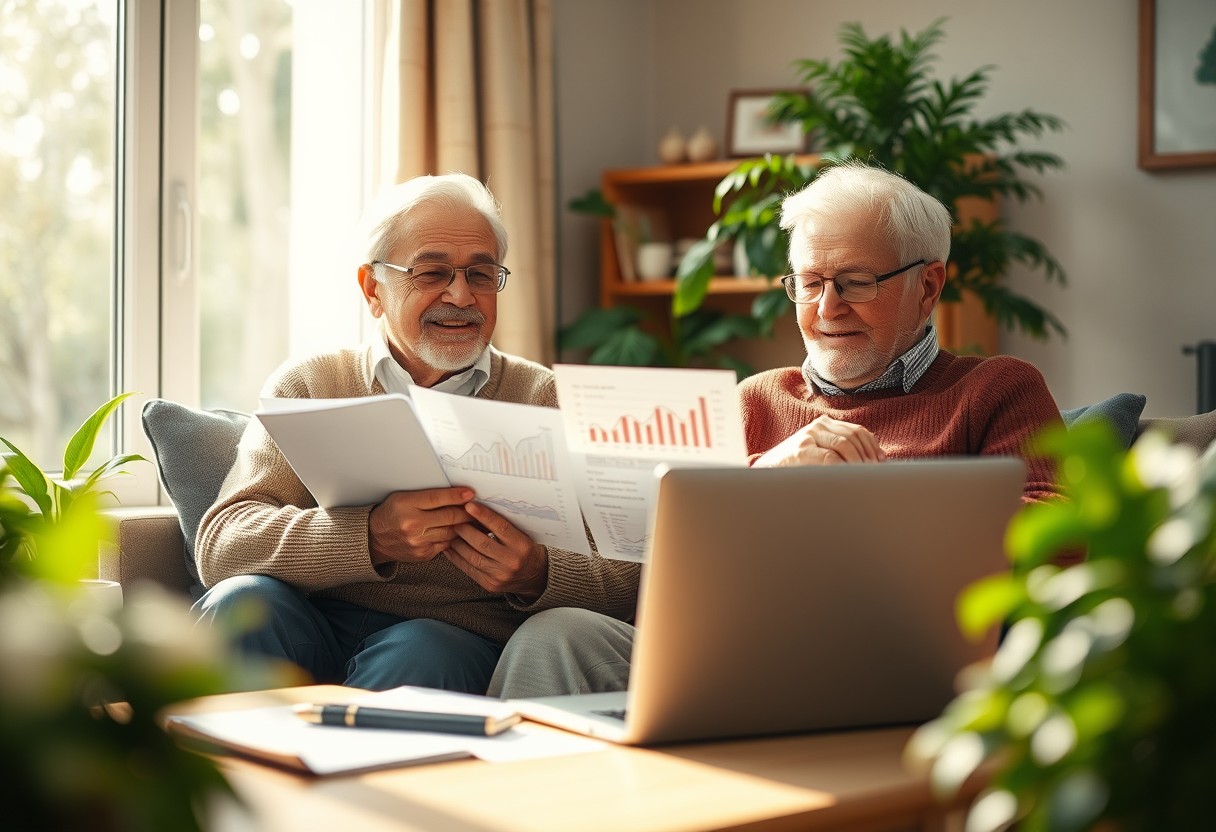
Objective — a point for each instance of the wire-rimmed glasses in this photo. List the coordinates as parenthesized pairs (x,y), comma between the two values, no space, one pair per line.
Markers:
(483,278)
(851,287)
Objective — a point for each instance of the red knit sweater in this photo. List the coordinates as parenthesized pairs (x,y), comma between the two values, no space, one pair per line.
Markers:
(962,405)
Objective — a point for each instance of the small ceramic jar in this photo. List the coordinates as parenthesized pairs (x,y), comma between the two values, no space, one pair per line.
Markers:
(702,147)
(672,148)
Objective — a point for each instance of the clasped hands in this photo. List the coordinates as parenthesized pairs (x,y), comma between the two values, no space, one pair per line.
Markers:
(825,441)
(417,526)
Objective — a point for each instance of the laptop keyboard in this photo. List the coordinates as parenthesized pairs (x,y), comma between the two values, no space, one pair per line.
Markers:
(615,713)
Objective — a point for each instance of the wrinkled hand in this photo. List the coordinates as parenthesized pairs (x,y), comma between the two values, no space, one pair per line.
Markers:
(501,558)
(825,441)
(415,526)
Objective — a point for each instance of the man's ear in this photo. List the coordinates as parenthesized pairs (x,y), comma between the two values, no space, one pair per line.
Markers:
(371,290)
(932,281)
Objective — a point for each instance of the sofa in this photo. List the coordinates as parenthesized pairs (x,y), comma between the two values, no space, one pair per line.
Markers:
(194,450)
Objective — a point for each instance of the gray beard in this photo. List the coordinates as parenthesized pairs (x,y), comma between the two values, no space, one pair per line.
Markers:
(449,358)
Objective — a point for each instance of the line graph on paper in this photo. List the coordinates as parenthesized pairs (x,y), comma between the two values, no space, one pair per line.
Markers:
(527,509)
(529,458)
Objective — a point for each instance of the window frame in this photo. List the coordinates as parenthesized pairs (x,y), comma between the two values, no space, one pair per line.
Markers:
(156,342)
(148,30)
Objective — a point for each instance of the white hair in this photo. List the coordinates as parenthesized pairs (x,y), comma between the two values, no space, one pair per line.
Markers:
(916,225)
(387,222)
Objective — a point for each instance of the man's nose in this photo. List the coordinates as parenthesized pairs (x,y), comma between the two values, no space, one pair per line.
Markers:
(830,304)
(457,292)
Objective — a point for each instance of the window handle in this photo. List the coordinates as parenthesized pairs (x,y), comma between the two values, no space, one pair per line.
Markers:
(185,232)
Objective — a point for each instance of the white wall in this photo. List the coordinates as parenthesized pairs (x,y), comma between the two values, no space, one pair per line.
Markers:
(1139,248)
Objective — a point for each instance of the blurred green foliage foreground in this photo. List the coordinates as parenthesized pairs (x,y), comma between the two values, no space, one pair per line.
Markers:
(1099,707)
(84,675)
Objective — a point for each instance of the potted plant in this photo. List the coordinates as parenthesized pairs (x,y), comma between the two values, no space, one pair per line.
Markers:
(66,518)
(880,102)
(1096,711)
(81,683)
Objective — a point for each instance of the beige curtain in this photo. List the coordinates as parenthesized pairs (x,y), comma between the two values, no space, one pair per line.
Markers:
(466,85)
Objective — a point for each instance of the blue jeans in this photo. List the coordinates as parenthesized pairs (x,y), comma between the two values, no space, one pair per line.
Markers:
(338,642)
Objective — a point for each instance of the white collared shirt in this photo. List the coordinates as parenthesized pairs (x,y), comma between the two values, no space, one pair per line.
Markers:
(395,379)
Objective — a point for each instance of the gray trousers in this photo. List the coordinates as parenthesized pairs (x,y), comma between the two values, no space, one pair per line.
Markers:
(562,651)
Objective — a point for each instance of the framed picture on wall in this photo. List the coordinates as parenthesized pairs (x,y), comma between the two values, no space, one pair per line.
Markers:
(1177,84)
(749,131)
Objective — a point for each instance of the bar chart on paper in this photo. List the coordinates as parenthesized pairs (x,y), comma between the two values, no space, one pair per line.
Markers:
(621,422)
(663,428)
(643,412)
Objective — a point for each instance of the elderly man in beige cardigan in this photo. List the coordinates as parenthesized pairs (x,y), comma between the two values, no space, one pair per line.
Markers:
(425,587)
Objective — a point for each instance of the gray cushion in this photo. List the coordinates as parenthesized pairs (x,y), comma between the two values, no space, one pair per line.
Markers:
(1121,410)
(194,451)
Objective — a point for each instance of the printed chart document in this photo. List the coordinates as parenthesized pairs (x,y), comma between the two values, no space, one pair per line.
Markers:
(277,735)
(353,452)
(543,469)
(623,421)
(514,456)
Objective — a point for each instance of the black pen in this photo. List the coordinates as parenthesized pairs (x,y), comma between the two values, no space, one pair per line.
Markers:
(357,716)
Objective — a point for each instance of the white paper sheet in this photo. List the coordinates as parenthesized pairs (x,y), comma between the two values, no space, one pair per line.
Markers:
(353,452)
(514,456)
(622,422)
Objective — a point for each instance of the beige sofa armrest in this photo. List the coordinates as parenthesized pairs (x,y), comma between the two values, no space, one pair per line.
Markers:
(149,547)
(1197,431)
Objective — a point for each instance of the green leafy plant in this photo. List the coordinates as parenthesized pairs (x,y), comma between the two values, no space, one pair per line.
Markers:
(881,103)
(66,521)
(1096,710)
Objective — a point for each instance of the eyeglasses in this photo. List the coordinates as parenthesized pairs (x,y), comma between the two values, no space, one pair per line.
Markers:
(851,287)
(483,279)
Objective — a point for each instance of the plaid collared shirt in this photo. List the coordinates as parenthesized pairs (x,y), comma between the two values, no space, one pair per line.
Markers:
(904,371)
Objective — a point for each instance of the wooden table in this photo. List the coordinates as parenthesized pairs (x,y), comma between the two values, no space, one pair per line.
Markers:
(850,780)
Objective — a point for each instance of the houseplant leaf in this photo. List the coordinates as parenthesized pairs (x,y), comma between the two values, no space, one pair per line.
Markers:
(32,481)
(629,347)
(80,446)
(596,325)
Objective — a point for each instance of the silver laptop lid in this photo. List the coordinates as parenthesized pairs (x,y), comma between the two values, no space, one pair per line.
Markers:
(779,600)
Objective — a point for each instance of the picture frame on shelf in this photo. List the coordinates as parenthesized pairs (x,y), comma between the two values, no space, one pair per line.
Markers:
(749,131)
(1177,84)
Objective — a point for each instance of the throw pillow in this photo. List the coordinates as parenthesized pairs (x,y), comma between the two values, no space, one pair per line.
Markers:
(1121,410)
(194,451)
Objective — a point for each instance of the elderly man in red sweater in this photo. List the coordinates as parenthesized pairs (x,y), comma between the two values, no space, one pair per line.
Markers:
(868,250)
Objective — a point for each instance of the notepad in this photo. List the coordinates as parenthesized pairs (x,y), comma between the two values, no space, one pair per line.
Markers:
(276,735)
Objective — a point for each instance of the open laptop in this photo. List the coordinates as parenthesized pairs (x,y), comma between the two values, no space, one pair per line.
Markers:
(780,600)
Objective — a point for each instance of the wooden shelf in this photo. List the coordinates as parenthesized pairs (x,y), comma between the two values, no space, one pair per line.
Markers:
(724,285)
(677,202)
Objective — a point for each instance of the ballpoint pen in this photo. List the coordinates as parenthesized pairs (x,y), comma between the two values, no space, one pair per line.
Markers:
(357,716)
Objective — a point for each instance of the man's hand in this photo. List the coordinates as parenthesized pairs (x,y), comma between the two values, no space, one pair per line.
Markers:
(501,558)
(825,441)
(415,526)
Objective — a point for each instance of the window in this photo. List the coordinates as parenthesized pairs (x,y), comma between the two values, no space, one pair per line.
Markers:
(179,214)
(58,76)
